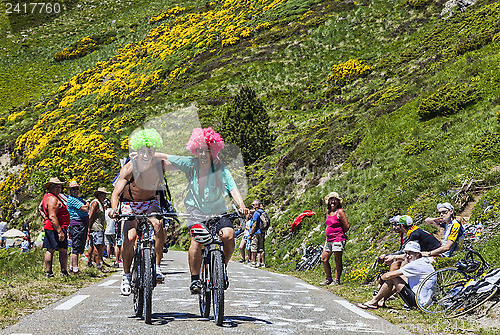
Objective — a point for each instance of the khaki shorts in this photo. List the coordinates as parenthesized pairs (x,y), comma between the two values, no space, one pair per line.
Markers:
(334,246)
(257,243)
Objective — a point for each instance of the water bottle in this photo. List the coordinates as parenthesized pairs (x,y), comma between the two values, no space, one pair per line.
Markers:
(479,229)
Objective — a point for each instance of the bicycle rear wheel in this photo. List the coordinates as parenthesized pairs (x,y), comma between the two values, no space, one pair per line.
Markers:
(465,303)
(137,288)
(441,285)
(218,286)
(148,285)
(204,297)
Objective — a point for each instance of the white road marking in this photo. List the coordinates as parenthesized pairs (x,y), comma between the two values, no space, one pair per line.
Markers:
(355,309)
(319,309)
(72,302)
(310,287)
(293,320)
(109,282)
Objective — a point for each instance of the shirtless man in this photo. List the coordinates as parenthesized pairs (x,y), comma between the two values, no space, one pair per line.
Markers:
(135,192)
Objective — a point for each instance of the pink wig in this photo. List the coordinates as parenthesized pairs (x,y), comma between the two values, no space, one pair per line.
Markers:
(206,136)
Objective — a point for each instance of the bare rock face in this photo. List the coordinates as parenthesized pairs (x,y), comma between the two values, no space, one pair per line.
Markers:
(450,5)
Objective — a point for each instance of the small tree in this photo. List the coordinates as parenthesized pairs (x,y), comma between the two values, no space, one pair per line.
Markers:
(246,124)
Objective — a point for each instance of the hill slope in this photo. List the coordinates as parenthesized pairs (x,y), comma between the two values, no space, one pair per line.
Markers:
(388,103)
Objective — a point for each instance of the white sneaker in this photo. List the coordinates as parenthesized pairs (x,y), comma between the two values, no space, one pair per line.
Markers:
(159,274)
(125,286)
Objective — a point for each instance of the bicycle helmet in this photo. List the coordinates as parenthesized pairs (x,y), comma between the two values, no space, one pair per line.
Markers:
(468,265)
(149,138)
(201,234)
(205,136)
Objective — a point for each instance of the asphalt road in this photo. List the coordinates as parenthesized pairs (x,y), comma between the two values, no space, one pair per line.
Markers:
(257,302)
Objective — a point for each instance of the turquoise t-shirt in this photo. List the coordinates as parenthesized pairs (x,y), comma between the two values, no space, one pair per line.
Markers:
(212,201)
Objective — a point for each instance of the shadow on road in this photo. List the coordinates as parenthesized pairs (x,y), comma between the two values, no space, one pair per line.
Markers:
(229,321)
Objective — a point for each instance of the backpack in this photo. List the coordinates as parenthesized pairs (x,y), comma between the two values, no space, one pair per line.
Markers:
(265,220)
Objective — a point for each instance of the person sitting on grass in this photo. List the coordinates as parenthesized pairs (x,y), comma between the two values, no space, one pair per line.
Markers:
(405,280)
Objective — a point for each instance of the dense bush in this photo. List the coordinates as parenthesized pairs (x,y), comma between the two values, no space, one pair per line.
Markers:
(447,100)
(84,46)
(487,147)
(417,147)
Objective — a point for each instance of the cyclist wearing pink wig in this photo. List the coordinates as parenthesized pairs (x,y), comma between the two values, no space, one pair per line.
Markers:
(208,182)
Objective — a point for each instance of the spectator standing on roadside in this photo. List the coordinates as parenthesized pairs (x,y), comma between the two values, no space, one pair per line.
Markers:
(79,224)
(244,240)
(56,223)
(257,236)
(453,231)
(3,229)
(97,222)
(110,233)
(26,230)
(336,229)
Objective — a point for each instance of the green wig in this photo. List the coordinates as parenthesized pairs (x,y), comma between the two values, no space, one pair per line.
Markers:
(145,138)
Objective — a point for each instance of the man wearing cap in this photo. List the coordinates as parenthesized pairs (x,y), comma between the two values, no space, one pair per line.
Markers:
(408,232)
(453,231)
(56,223)
(79,224)
(405,281)
(97,223)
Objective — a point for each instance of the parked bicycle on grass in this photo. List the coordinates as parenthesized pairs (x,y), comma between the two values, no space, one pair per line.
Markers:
(458,290)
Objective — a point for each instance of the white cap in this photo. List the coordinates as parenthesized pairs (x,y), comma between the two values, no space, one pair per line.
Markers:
(413,246)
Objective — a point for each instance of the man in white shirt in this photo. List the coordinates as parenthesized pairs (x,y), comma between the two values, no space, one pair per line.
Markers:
(405,280)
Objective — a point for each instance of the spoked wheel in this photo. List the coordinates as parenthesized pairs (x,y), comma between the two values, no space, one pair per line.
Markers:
(137,288)
(466,302)
(218,286)
(204,296)
(148,285)
(436,290)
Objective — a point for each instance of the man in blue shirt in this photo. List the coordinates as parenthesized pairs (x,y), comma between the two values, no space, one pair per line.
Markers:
(79,224)
(257,237)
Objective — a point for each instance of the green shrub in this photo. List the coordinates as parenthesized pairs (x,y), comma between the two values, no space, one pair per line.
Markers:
(474,42)
(417,3)
(487,147)
(447,100)
(490,200)
(84,46)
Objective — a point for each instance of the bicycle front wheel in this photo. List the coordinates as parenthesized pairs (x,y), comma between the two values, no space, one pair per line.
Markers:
(465,303)
(218,286)
(204,297)
(434,293)
(137,288)
(148,285)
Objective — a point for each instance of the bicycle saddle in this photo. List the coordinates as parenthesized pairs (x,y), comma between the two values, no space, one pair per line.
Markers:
(468,265)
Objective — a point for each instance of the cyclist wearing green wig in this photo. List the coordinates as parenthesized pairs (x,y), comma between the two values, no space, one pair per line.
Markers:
(135,193)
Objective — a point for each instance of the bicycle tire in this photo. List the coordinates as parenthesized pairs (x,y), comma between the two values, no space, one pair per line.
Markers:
(148,285)
(315,261)
(447,282)
(204,297)
(466,304)
(138,290)
(218,286)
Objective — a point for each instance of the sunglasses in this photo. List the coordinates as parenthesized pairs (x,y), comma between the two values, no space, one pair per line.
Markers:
(442,212)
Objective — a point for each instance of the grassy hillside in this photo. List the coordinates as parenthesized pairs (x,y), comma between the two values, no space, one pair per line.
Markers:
(391,104)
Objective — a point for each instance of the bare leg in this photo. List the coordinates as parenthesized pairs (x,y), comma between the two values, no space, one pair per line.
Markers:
(338,264)
(129,237)
(325,259)
(49,254)
(243,245)
(194,257)
(74,260)
(227,237)
(63,259)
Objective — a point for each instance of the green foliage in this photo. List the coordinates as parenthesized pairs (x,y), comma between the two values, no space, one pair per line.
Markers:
(487,147)
(474,42)
(490,201)
(246,124)
(447,100)
(85,45)
(416,147)
(417,3)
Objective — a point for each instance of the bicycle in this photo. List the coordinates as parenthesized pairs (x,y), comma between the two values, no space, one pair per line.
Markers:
(310,259)
(213,274)
(144,278)
(448,283)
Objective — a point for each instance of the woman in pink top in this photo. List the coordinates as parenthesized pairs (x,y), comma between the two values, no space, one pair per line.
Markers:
(336,227)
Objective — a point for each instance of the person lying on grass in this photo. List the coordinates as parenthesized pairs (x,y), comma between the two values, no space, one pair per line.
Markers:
(405,280)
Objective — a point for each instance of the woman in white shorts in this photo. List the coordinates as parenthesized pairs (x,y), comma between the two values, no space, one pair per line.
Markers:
(336,227)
